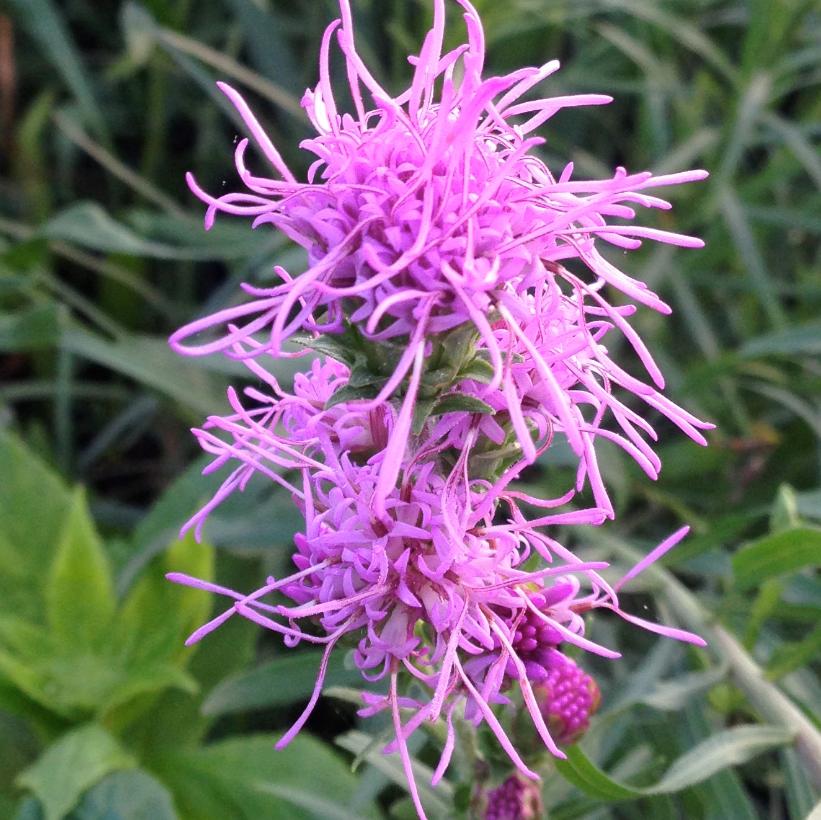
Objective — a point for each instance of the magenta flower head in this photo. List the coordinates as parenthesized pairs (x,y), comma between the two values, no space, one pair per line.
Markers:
(457,348)
(428,212)
(435,589)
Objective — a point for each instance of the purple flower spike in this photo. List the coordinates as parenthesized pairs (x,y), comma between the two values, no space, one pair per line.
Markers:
(437,245)
(428,211)
(434,586)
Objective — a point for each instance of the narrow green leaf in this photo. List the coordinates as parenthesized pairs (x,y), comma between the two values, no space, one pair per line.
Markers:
(788,657)
(724,794)
(269,48)
(579,770)
(152,363)
(79,591)
(809,504)
(803,340)
(689,35)
(307,799)
(437,801)
(140,32)
(457,403)
(86,224)
(477,369)
(673,695)
(284,680)
(799,791)
(784,512)
(763,606)
(776,555)
(73,764)
(746,242)
(46,26)
(344,347)
(730,747)
(32,329)
(182,45)
(349,393)
(421,413)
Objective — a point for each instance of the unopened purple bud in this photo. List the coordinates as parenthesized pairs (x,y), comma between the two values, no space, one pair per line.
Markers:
(567,696)
(515,799)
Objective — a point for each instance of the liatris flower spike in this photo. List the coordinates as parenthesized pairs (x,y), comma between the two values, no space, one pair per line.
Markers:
(437,590)
(456,348)
(428,211)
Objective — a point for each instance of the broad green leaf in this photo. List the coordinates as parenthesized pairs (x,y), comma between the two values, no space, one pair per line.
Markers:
(19,747)
(128,795)
(19,581)
(729,747)
(26,659)
(258,514)
(31,329)
(170,722)
(248,778)
(33,505)
(307,800)
(157,615)
(162,523)
(77,682)
(286,679)
(109,662)
(775,555)
(79,591)
(29,809)
(71,765)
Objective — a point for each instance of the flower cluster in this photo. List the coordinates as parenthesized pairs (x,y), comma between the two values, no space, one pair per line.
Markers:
(457,345)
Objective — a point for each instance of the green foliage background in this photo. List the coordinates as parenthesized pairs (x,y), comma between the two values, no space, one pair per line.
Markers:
(103,712)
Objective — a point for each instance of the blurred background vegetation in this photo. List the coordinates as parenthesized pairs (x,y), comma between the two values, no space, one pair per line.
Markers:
(103,712)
